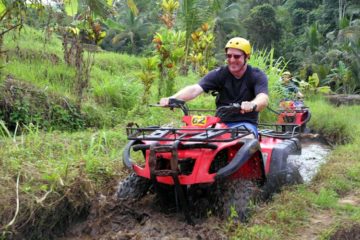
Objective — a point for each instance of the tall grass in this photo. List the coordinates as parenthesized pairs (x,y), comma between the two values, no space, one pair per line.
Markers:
(265,61)
(43,74)
(32,39)
(333,122)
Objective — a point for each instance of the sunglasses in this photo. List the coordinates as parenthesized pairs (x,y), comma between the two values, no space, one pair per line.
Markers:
(235,56)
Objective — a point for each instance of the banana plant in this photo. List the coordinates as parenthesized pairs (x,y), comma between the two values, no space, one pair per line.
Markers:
(85,17)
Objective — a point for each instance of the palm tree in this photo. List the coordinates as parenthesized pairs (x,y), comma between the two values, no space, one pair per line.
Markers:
(192,14)
(226,21)
(135,30)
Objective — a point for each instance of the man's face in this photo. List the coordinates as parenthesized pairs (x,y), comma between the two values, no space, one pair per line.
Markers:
(286,78)
(235,59)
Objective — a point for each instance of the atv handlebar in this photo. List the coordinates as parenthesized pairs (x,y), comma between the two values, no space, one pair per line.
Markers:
(220,112)
(223,110)
(175,103)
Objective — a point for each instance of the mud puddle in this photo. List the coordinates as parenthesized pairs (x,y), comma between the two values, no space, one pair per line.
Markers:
(313,155)
(145,219)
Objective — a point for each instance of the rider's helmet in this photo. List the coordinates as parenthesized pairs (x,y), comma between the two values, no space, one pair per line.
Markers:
(239,43)
(286,74)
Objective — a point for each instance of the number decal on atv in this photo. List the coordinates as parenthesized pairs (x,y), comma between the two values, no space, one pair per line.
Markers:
(198,120)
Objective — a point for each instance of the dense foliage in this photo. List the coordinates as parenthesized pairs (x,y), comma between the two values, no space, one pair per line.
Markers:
(55,76)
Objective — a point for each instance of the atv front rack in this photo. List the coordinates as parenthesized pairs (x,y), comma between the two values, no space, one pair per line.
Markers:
(187,134)
(277,130)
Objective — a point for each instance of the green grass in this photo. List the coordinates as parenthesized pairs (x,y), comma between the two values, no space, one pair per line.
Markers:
(44,75)
(60,173)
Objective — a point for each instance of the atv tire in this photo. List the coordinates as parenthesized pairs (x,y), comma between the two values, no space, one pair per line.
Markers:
(293,175)
(133,187)
(238,195)
(274,183)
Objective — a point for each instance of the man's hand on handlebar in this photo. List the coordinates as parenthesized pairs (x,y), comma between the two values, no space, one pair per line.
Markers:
(174,103)
(164,102)
(248,107)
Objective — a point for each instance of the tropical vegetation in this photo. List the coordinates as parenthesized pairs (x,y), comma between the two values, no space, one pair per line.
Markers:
(73,73)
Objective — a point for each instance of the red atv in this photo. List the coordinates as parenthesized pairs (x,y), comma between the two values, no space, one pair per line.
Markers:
(293,116)
(228,166)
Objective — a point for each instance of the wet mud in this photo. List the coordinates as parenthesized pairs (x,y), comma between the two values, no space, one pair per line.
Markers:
(351,233)
(111,219)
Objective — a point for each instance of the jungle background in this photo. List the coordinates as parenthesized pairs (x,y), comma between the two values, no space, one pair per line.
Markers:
(73,73)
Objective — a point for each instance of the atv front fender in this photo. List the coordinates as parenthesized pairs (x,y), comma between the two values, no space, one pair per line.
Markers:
(308,117)
(250,147)
(126,154)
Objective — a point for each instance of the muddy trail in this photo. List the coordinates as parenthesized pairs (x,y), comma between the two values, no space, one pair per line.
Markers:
(149,218)
(144,219)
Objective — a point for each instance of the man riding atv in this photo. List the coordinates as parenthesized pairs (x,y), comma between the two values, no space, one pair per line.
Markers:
(289,86)
(213,156)
(237,82)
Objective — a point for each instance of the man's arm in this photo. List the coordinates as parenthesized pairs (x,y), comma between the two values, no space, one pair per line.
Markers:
(185,94)
(260,101)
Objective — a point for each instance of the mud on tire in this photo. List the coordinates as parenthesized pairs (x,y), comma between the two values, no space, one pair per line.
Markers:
(133,187)
(237,194)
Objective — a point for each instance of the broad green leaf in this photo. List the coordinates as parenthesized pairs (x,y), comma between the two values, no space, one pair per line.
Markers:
(314,80)
(131,4)
(2,8)
(109,2)
(71,7)
(113,25)
(324,89)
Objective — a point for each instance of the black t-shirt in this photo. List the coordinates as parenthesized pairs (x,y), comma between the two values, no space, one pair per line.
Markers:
(291,87)
(232,90)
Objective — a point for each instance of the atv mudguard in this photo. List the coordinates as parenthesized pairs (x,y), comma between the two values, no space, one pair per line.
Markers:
(250,147)
(281,172)
(126,154)
(280,154)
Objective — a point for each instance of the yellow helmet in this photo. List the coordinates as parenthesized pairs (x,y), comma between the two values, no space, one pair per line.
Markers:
(239,43)
(286,73)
